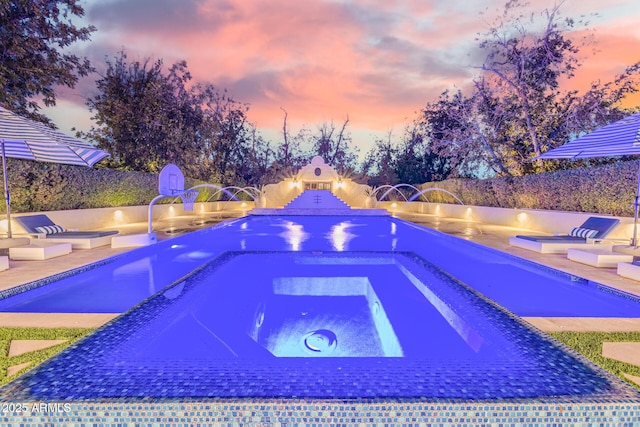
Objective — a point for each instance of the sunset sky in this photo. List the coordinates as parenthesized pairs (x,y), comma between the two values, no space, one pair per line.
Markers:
(376,62)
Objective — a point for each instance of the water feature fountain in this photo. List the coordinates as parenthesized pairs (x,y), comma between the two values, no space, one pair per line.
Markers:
(419,193)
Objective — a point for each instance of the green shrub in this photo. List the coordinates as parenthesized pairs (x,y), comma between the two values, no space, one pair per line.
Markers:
(608,189)
(36,187)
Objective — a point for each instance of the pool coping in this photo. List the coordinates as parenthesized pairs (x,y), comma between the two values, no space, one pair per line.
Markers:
(55,320)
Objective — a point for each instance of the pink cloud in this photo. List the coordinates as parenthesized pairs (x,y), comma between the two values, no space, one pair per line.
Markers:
(377,62)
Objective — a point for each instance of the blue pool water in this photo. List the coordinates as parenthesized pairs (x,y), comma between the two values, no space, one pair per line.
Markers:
(524,288)
(323,307)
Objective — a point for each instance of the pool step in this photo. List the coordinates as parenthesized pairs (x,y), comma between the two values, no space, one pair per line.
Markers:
(317,199)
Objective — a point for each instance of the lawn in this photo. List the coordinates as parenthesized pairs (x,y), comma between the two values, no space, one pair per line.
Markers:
(33,358)
(589,344)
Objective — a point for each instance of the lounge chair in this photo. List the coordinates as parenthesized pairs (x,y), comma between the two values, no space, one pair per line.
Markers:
(591,232)
(630,270)
(41,227)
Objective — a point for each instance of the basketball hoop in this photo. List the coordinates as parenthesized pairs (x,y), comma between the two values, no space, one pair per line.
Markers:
(188,197)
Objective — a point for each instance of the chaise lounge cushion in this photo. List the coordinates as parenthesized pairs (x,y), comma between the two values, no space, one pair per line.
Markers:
(33,223)
(554,239)
(583,232)
(601,226)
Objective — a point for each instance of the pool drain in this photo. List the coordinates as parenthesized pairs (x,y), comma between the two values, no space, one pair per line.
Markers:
(320,341)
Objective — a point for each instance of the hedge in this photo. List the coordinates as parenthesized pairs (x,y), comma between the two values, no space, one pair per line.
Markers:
(36,187)
(608,189)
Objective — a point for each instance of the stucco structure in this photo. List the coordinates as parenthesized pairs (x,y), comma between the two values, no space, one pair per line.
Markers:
(317,175)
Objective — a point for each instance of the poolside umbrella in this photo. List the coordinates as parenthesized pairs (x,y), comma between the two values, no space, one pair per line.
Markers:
(621,138)
(22,138)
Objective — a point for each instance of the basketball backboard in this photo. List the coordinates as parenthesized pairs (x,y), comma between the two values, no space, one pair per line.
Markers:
(171,181)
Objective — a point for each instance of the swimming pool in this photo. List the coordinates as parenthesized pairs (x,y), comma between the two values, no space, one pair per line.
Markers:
(321,307)
(523,287)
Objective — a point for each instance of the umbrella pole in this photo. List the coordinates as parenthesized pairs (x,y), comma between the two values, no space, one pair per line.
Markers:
(634,240)
(7,197)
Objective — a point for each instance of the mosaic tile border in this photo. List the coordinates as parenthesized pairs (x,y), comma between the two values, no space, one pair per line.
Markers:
(320,413)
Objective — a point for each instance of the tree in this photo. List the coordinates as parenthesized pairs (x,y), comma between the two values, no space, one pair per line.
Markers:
(517,108)
(259,158)
(408,161)
(457,130)
(225,136)
(416,162)
(522,71)
(332,144)
(143,117)
(33,38)
(379,163)
(147,118)
(600,104)
(288,155)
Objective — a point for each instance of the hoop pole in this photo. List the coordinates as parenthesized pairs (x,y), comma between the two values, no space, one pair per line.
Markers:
(150,226)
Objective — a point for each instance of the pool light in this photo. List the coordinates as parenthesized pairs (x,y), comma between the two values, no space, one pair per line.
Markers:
(118,216)
(522,218)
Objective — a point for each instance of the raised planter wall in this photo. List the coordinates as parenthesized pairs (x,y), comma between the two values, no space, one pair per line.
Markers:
(94,219)
(526,219)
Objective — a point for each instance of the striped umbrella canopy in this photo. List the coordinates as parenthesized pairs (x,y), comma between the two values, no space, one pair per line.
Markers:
(620,138)
(22,138)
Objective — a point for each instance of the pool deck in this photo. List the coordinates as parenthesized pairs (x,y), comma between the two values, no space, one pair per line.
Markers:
(497,237)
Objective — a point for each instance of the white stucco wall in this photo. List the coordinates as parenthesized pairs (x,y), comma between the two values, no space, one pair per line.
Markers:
(352,193)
